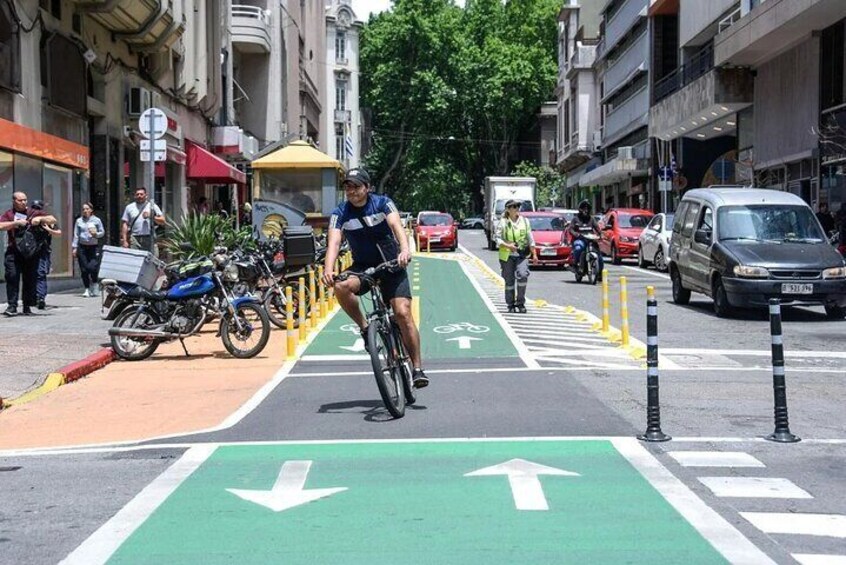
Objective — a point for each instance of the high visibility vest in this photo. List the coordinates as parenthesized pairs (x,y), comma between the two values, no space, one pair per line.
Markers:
(514,232)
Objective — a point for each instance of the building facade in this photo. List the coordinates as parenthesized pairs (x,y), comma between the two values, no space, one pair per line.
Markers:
(341,127)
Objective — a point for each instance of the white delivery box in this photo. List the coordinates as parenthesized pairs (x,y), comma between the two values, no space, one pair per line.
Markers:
(130,266)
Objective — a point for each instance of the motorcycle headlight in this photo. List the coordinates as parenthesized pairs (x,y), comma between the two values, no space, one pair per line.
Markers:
(230,272)
(834,273)
(747,272)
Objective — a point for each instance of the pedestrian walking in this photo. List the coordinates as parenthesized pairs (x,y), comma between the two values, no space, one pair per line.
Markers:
(826,219)
(87,233)
(246,214)
(21,258)
(516,244)
(44,233)
(137,231)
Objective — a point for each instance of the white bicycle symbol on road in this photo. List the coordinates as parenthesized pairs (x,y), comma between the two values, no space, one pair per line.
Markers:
(462,326)
(352,328)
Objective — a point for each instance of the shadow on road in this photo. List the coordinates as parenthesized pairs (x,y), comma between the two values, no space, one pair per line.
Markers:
(373,410)
(788,313)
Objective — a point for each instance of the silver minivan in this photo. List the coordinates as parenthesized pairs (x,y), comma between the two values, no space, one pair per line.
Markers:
(743,246)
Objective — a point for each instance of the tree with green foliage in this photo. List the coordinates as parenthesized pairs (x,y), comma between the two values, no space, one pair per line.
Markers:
(550,190)
(451,92)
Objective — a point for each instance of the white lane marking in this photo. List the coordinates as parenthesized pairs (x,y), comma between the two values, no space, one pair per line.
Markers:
(819,559)
(564,349)
(645,272)
(830,525)
(340,357)
(289,489)
(526,488)
(715,459)
(509,331)
(723,536)
(755,352)
(100,545)
(753,487)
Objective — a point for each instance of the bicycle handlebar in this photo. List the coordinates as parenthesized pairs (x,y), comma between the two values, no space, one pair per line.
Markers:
(372,272)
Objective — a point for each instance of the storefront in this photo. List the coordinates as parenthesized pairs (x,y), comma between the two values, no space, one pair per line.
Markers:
(211,177)
(47,168)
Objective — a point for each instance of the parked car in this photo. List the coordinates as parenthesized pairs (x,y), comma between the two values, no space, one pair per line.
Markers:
(549,230)
(742,247)
(621,228)
(654,242)
(436,230)
(473,223)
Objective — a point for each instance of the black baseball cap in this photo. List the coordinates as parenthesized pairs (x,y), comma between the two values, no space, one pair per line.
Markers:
(358,177)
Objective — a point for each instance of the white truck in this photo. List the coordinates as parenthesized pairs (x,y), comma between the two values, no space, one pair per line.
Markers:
(498,191)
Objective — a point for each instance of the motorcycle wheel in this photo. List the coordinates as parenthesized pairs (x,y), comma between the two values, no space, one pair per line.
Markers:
(135,348)
(274,305)
(592,268)
(248,340)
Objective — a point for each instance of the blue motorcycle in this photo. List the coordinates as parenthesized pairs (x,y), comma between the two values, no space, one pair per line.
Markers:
(181,311)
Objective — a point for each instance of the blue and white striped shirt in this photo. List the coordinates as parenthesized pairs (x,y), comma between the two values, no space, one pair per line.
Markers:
(371,239)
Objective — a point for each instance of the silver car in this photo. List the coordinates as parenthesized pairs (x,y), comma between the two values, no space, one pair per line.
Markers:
(654,243)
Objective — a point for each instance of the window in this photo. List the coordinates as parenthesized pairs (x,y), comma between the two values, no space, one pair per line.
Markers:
(690,219)
(340,94)
(340,45)
(769,222)
(10,66)
(339,142)
(680,213)
(706,222)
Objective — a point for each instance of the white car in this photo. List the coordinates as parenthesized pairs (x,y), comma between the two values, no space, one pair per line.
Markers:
(654,243)
(473,223)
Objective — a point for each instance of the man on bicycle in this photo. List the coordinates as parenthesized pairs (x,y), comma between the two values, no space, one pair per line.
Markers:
(372,226)
(581,223)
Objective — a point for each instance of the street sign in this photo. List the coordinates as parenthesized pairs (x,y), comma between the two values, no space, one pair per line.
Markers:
(665,185)
(153,123)
(159,148)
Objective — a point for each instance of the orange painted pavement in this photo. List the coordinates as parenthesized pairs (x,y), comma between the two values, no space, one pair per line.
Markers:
(131,401)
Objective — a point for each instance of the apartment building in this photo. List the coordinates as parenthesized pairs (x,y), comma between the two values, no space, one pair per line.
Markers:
(341,127)
(622,71)
(75,77)
(577,92)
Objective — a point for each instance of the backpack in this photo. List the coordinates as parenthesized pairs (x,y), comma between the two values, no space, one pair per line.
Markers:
(27,243)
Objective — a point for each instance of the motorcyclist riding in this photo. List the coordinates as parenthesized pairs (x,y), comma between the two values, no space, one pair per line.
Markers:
(582,222)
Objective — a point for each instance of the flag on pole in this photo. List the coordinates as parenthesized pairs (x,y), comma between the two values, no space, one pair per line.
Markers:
(348,143)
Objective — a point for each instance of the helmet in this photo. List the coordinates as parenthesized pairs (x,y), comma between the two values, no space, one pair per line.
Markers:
(585,204)
(37,205)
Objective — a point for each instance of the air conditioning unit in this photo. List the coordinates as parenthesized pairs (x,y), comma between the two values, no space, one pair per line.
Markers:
(625,153)
(137,101)
(597,140)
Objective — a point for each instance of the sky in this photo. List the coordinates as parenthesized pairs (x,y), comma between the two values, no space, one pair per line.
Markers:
(363,8)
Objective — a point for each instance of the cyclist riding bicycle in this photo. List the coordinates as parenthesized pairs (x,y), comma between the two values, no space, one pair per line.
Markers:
(581,223)
(372,226)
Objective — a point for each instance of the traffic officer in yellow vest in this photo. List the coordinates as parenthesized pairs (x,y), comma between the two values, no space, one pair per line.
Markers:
(514,238)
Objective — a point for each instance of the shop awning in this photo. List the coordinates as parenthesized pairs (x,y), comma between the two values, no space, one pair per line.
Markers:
(205,166)
(297,155)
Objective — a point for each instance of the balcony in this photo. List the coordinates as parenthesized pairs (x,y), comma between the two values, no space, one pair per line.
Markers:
(698,65)
(582,59)
(343,116)
(716,95)
(251,29)
(627,117)
(624,68)
(771,28)
(622,21)
(147,25)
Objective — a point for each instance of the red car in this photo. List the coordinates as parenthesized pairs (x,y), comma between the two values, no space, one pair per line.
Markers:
(437,230)
(549,230)
(621,229)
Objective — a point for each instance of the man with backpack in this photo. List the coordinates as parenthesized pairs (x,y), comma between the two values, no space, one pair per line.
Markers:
(22,251)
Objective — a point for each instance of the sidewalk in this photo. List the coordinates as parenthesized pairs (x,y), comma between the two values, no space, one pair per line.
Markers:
(31,347)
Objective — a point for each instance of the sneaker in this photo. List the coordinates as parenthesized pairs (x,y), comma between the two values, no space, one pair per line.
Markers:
(511,309)
(95,292)
(11,311)
(86,294)
(41,305)
(521,309)
(27,311)
(419,379)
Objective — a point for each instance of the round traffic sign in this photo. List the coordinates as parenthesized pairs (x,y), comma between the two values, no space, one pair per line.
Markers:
(152,123)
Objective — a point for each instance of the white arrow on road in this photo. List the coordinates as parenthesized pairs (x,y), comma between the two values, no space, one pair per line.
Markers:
(523,479)
(465,341)
(356,347)
(288,490)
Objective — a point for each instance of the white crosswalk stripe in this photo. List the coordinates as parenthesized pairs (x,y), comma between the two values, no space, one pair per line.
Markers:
(554,337)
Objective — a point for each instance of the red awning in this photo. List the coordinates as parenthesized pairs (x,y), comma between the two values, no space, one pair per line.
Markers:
(208,167)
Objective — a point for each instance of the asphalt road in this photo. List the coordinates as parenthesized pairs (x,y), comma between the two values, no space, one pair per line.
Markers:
(716,403)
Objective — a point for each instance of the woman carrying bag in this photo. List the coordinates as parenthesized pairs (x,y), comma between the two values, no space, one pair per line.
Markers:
(87,232)
(514,238)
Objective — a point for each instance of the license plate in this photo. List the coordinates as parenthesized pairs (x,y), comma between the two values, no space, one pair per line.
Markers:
(796,288)
(550,251)
(434,239)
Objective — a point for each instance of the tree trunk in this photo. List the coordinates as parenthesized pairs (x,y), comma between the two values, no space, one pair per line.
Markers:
(400,150)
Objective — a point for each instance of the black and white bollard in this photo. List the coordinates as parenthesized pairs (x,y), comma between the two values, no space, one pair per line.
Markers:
(782,429)
(653,407)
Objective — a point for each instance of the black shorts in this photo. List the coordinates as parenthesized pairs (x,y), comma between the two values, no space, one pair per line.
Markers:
(392,285)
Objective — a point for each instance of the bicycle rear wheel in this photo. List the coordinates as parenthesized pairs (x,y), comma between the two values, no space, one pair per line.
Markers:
(383,357)
(406,370)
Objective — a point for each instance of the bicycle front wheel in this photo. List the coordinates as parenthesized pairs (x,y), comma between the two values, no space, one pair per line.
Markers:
(383,357)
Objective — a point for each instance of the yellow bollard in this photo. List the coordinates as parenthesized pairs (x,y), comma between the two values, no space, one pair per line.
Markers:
(322,292)
(418,243)
(312,297)
(624,312)
(302,309)
(289,323)
(606,306)
(428,245)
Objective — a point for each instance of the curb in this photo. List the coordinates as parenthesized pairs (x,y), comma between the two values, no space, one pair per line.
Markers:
(67,374)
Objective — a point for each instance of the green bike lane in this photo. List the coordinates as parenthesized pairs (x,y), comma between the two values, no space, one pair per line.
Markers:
(449,501)
(455,322)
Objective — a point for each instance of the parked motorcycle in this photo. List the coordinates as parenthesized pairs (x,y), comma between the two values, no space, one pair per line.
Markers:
(181,311)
